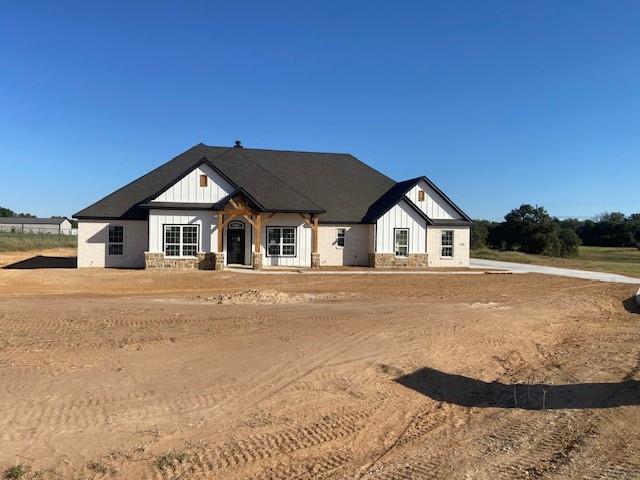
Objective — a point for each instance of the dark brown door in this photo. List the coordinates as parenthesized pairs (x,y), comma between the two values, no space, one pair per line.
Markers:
(235,246)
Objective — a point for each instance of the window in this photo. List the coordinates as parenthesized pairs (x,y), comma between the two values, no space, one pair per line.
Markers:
(421,195)
(281,241)
(340,234)
(401,241)
(180,240)
(203,180)
(447,243)
(116,240)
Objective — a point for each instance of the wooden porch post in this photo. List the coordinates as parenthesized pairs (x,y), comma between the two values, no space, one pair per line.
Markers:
(315,255)
(220,253)
(314,234)
(257,251)
(220,232)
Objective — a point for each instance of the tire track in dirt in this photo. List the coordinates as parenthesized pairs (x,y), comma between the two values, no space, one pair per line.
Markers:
(418,467)
(279,379)
(541,447)
(99,413)
(308,468)
(239,453)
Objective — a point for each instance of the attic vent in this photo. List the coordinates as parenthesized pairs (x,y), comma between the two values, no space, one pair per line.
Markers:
(203,180)
(421,195)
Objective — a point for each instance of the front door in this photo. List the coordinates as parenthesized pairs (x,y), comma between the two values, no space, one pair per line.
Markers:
(235,246)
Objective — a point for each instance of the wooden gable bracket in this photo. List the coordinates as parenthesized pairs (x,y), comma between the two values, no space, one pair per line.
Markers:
(312,221)
(256,216)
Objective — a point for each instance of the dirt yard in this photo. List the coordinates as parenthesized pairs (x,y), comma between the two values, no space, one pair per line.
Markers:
(194,375)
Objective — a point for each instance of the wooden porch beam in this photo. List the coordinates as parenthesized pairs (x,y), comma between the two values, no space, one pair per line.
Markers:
(236,212)
(266,220)
(306,220)
(248,219)
(230,217)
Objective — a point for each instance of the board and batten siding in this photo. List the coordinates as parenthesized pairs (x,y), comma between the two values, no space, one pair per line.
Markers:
(207,232)
(356,245)
(433,205)
(303,241)
(188,189)
(461,241)
(400,216)
(93,240)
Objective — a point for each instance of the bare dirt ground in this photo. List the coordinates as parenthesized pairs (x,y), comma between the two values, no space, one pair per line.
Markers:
(193,375)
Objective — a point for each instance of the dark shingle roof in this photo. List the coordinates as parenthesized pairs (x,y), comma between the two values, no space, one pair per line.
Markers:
(338,186)
(32,220)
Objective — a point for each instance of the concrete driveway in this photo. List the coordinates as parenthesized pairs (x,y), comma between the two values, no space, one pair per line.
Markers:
(562,272)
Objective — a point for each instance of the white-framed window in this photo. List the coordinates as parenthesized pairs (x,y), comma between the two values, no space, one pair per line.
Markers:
(447,243)
(401,241)
(340,236)
(281,241)
(115,246)
(180,240)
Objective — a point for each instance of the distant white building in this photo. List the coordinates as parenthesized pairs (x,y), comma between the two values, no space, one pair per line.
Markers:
(215,206)
(57,226)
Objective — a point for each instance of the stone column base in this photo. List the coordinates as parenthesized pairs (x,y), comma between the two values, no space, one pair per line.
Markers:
(389,260)
(315,260)
(256,261)
(206,261)
(219,265)
(157,261)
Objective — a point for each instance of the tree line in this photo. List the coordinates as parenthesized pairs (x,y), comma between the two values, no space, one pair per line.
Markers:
(7,212)
(531,229)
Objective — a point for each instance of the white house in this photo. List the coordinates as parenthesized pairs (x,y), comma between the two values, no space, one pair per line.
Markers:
(56,225)
(215,206)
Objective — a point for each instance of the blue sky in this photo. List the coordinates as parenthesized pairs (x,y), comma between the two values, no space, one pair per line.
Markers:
(499,103)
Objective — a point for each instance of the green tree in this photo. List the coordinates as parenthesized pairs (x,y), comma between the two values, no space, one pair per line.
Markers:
(7,212)
(529,229)
(479,233)
(569,242)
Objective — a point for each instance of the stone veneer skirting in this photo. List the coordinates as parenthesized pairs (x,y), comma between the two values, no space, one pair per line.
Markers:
(389,260)
(203,261)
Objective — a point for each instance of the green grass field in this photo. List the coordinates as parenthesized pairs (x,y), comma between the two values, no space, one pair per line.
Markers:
(625,261)
(19,242)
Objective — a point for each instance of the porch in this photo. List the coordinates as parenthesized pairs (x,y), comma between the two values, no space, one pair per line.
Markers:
(233,232)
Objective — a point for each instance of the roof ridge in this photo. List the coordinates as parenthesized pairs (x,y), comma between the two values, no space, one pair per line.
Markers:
(280,150)
(279,179)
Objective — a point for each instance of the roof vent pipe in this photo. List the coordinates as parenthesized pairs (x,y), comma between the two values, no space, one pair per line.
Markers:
(238,144)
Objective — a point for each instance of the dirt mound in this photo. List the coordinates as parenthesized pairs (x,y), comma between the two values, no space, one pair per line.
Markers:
(253,295)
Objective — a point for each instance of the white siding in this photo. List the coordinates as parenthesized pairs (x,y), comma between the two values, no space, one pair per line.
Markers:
(93,236)
(460,247)
(65,226)
(188,189)
(433,204)
(303,241)
(206,220)
(400,216)
(356,245)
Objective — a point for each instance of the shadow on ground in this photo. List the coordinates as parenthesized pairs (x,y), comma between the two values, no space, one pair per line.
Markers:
(469,392)
(631,305)
(42,261)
